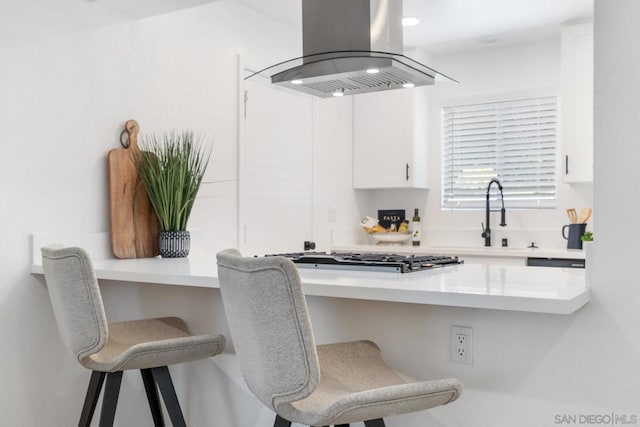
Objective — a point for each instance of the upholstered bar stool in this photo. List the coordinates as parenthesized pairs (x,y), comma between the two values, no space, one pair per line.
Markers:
(149,345)
(334,384)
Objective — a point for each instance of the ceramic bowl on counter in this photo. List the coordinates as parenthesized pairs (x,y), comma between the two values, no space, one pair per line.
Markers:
(390,237)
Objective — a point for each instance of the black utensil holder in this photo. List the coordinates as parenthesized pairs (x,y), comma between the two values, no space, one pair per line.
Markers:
(574,237)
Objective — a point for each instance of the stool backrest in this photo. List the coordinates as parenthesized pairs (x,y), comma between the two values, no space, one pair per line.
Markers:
(270,326)
(76,300)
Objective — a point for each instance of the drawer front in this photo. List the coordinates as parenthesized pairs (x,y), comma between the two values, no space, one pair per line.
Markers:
(555,262)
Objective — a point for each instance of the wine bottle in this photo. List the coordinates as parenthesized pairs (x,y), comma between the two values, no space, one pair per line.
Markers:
(415,229)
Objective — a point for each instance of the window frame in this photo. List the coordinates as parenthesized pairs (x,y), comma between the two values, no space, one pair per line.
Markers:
(478,203)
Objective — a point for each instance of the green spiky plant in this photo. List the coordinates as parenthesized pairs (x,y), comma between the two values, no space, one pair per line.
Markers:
(171,167)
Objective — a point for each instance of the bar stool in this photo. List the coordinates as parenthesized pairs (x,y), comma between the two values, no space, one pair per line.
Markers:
(149,345)
(334,384)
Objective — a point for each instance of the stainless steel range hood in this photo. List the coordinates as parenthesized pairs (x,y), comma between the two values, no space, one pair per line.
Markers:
(351,47)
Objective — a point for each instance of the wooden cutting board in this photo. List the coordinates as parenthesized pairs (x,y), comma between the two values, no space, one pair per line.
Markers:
(134,225)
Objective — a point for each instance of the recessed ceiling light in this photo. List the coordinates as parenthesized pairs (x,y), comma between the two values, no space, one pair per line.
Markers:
(410,21)
(296,82)
(408,85)
(338,93)
(373,71)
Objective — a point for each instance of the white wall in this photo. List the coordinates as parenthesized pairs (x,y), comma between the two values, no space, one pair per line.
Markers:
(64,100)
(486,75)
(616,171)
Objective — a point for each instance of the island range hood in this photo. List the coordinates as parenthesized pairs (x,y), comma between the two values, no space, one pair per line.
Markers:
(351,47)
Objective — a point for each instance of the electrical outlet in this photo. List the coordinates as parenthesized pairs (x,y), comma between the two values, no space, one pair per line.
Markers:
(462,345)
(332,214)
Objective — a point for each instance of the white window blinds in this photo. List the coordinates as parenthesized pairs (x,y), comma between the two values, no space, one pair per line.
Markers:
(514,141)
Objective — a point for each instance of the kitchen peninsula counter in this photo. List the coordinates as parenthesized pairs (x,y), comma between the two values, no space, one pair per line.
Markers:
(484,286)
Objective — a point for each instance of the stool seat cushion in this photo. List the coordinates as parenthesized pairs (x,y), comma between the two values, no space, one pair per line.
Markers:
(355,384)
(149,343)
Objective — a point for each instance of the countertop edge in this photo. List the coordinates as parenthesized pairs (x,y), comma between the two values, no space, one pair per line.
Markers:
(200,272)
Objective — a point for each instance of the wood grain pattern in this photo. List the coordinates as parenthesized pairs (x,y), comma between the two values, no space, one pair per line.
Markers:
(134,225)
(585,214)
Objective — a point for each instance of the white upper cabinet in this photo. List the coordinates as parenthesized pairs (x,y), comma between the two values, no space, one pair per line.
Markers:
(576,99)
(390,139)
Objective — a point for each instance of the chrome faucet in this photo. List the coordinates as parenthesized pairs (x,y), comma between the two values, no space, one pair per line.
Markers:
(486,232)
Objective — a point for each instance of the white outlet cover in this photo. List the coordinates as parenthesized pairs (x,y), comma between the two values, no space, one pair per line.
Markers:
(462,345)
(332,214)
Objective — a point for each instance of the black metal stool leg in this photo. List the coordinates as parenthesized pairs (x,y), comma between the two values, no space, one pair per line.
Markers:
(375,423)
(281,422)
(152,397)
(163,379)
(91,398)
(110,399)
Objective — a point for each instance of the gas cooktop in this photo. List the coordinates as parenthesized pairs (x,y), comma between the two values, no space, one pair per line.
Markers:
(369,261)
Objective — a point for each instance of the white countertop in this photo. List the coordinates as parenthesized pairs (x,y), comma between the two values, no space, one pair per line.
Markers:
(480,251)
(500,287)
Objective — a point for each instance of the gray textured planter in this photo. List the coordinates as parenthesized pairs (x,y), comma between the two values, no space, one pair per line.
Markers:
(174,244)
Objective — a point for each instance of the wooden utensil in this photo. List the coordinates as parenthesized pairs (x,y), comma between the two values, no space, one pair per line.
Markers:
(134,225)
(573,216)
(585,214)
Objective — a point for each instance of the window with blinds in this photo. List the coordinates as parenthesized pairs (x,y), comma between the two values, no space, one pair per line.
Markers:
(514,141)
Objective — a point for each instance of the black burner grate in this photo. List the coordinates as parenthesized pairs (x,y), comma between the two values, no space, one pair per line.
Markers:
(370,261)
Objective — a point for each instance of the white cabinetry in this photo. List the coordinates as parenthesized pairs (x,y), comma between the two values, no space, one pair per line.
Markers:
(389,139)
(577,103)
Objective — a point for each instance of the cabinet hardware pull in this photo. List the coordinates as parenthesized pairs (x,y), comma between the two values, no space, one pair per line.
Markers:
(407,171)
(566,164)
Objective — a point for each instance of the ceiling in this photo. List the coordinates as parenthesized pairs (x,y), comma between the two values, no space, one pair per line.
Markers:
(145,8)
(447,25)
(27,21)
(459,25)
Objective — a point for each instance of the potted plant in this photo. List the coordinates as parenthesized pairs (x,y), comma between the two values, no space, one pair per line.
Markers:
(171,167)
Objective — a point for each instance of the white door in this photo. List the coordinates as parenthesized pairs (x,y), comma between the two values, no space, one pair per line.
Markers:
(275,171)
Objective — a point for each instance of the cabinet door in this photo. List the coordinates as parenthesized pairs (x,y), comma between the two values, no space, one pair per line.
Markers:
(382,139)
(577,103)
(276,169)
